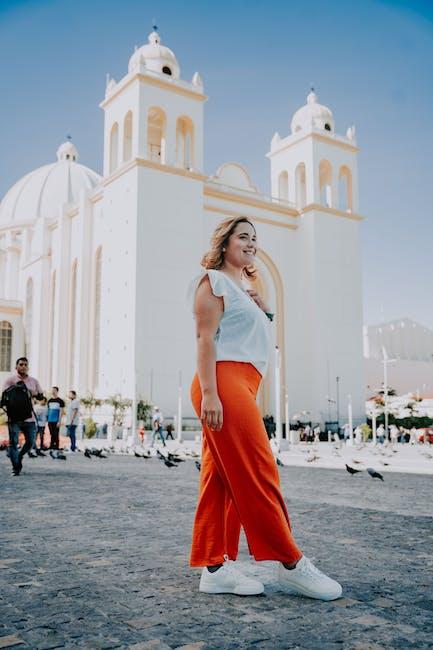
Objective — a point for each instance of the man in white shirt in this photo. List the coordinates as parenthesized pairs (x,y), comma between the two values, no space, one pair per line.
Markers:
(157,420)
(72,418)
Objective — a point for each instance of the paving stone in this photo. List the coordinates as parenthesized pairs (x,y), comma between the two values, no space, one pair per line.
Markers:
(9,641)
(370,619)
(110,569)
(345,602)
(152,644)
(384,602)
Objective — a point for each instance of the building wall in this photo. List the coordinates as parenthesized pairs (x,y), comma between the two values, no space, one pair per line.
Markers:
(404,376)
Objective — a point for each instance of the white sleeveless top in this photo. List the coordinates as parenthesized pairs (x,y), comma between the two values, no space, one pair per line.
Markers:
(243,332)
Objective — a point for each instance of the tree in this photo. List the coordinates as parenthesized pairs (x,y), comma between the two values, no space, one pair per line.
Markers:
(119,404)
(144,409)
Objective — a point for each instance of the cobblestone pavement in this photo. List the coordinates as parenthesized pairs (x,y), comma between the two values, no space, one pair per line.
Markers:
(94,554)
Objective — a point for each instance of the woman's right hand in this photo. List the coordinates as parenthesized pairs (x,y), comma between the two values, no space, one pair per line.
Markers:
(212,412)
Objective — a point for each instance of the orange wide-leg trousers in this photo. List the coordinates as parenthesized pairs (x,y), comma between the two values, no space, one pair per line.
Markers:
(239,480)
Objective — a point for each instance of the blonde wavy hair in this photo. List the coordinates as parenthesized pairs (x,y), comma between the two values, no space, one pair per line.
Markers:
(214,258)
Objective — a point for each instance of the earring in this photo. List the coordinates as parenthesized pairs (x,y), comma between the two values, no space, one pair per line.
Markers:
(224,250)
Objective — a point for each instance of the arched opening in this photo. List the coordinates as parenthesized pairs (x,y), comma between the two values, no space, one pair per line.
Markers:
(345,189)
(114,147)
(29,318)
(127,137)
(301,186)
(51,326)
(97,324)
(72,323)
(185,142)
(166,70)
(270,285)
(283,186)
(5,346)
(325,180)
(156,125)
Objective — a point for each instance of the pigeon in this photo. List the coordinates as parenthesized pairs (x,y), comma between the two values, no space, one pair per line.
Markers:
(174,458)
(198,465)
(168,463)
(61,455)
(87,454)
(374,474)
(352,470)
(52,454)
(279,462)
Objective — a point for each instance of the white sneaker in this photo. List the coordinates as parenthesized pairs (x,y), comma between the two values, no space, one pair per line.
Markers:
(306,580)
(228,580)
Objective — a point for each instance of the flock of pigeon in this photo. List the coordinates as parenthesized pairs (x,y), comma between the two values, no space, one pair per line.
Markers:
(177,456)
(383,454)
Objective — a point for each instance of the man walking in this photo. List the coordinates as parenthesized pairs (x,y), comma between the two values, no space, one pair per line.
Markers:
(157,420)
(18,391)
(55,413)
(72,418)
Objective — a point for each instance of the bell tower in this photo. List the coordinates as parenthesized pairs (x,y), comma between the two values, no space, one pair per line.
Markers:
(315,169)
(150,213)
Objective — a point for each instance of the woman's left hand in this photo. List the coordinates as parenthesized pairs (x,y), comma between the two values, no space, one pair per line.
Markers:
(258,299)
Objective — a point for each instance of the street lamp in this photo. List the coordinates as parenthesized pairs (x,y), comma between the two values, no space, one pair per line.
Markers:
(278,430)
(337,379)
(385,387)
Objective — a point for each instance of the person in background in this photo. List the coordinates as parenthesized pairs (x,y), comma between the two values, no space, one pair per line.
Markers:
(157,420)
(55,412)
(41,412)
(380,434)
(72,418)
(27,423)
(169,428)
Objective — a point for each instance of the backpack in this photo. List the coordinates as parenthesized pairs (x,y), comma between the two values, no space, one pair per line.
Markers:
(17,402)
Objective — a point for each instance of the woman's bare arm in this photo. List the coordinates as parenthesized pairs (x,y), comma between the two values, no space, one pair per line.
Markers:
(208,311)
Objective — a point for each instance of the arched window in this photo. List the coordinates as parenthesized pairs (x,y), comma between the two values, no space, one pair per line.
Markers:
(283,186)
(5,346)
(301,186)
(29,317)
(72,322)
(51,326)
(127,137)
(156,124)
(185,142)
(97,329)
(325,179)
(345,189)
(114,147)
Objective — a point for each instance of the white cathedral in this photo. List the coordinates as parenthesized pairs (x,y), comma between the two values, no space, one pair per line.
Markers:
(94,269)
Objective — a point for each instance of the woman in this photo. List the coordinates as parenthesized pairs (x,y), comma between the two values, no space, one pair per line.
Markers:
(239,481)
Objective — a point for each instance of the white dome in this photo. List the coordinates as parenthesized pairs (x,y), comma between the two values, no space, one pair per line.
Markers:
(155,57)
(41,192)
(313,115)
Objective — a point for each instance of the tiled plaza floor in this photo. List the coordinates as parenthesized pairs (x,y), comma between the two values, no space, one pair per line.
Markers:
(94,554)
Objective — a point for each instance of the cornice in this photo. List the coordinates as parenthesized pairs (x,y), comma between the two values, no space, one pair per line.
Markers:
(153,81)
(235,213)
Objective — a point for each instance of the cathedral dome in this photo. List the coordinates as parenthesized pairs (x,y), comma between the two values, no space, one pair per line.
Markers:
(155,57)
(314,115)
(41,192)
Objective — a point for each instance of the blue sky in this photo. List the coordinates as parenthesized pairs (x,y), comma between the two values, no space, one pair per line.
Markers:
(370,62)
